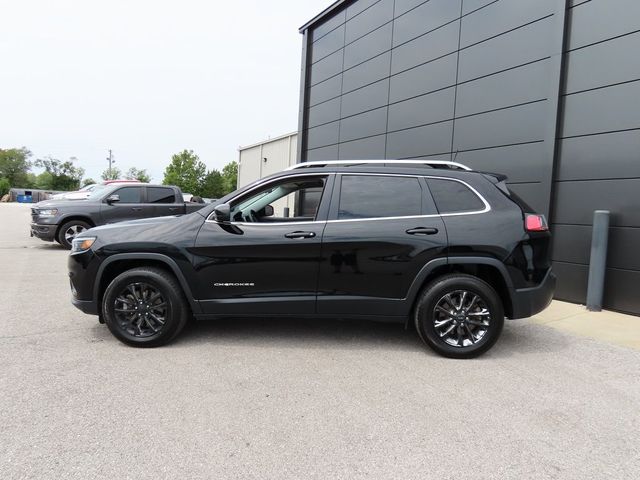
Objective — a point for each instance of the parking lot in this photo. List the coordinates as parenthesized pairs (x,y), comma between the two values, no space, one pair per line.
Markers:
(294,398)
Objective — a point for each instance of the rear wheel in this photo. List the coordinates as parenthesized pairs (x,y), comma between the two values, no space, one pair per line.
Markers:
(145,307)
(69,231)
(459,316)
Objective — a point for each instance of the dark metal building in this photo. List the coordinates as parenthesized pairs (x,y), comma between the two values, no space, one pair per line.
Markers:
(545,91)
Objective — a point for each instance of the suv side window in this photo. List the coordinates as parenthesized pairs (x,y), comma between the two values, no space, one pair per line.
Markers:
(375,196)
(452,196)
(160,195)
(291,200)
(129,194)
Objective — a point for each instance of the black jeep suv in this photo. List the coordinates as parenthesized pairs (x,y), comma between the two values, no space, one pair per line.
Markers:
(451,249)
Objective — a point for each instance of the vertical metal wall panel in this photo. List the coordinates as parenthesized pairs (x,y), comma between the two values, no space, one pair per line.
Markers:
(423,110)
(366,73)
(426,78)
(330,43)
(500,17)
(598,163)
(516,86)
(372,44)
(368,20)
(612,58)
(365,98)
(519,162)
(425,18)
(420,141)
(366,148)
(542,90)
(323,91)
(598,156)
(426,48)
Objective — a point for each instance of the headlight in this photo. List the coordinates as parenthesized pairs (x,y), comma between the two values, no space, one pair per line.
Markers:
(48,212)
(83,244)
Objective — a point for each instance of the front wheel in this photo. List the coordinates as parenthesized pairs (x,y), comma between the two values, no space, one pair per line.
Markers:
(459,316)
(69,231)
(145,307)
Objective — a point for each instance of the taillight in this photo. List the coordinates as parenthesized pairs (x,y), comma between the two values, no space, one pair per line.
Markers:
(535,223)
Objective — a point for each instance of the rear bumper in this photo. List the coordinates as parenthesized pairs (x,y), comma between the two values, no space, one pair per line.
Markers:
(526,302)
(44,232)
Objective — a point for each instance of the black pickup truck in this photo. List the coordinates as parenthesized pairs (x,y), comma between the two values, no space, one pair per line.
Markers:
(62,220)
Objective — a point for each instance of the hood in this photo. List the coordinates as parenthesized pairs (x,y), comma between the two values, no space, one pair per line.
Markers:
(147,232)
(50,203)
(63,202)
(134,225)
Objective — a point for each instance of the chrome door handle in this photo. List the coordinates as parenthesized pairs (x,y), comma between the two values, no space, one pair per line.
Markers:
(422,231)
(136,209)
(300,235)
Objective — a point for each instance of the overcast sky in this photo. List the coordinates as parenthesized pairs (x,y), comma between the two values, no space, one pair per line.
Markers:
(148,78)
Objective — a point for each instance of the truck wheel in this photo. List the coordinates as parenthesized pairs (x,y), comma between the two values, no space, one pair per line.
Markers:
(145,307)
(459,316)
(69,231)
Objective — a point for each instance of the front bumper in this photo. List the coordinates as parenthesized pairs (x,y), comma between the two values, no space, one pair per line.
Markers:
(43,232)
(83,268)
(85,306)
(526,302)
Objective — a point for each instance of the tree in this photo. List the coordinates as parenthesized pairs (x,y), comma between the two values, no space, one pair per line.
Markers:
(113,173)
(230,176)
(88,181)
(64,175)
(15,166)
(134,174)
(44,181)
(5,185)
(186,171)
(212,185)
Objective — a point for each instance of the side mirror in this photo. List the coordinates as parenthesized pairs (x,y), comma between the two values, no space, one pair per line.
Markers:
(113,199)
(268,211)
(222,213)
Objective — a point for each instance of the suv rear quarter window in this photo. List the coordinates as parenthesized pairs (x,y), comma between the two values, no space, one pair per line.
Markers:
(452,196)
(375,196)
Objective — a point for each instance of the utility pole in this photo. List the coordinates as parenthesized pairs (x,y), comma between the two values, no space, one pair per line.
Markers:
(111,161)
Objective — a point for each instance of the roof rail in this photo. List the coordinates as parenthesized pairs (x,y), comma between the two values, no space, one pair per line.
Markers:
(429,163)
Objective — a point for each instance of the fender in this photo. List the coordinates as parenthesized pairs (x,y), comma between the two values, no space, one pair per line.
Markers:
(195,305)
(430,266)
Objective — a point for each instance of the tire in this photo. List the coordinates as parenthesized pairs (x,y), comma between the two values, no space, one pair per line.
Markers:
(145,307)
(456,332)
(69,230)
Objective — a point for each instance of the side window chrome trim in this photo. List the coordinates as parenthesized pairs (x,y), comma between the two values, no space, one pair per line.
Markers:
(268,224)
(381,218)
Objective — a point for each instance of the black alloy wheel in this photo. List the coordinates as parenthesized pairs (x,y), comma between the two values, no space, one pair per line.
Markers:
(459,316)
(145,307)
(140,310)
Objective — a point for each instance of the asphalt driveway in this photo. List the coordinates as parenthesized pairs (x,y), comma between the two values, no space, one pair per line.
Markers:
(295,398)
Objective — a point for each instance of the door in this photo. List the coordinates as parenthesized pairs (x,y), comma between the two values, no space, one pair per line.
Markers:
(265,261)
(129,207)
(382,229)
(162,200)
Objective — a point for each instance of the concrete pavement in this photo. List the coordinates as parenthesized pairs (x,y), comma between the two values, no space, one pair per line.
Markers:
(292,399)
